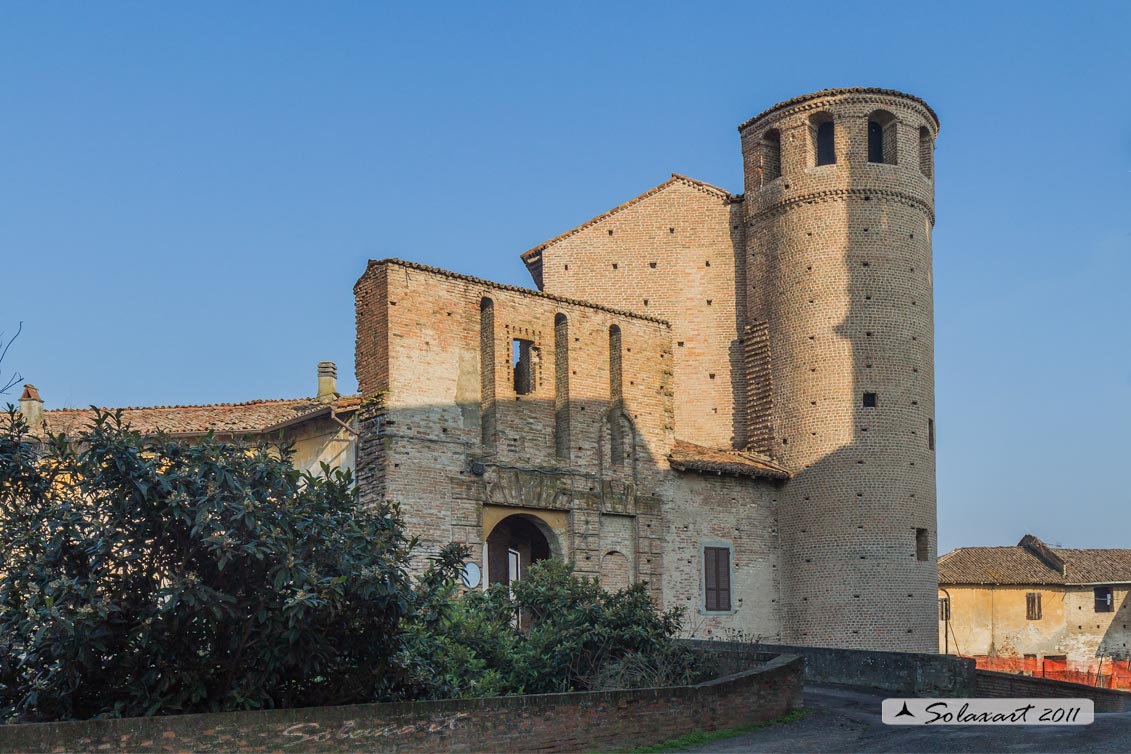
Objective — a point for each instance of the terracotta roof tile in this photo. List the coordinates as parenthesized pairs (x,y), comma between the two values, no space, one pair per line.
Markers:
(1019,565)
(687,456)
(223,418)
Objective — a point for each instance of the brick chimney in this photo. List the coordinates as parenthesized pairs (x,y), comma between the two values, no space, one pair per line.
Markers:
(31,406)
(327,381)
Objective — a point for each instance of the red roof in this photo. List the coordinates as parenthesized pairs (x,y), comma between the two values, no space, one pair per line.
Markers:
(1033,562)
(687,456)
(251,417)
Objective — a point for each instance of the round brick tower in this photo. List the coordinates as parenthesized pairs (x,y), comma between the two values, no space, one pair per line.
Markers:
(839,211)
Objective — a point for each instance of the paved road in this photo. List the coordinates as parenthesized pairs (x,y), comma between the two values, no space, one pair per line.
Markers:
(849,721)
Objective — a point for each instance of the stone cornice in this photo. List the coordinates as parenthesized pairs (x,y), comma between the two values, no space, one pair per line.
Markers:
(833,195)
(826,97)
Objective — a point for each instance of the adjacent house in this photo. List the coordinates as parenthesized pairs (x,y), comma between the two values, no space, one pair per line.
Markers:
(321,429)
(1040,610)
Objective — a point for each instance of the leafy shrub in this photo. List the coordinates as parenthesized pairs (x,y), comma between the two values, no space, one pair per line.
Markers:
(141,575)
(554,631)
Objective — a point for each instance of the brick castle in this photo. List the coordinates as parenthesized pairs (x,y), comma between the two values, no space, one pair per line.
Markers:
(729,397)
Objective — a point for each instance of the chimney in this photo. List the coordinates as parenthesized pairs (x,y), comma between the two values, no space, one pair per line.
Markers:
(31,406)
(327,381)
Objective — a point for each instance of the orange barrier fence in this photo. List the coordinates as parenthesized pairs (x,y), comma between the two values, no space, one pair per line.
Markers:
(1102,672)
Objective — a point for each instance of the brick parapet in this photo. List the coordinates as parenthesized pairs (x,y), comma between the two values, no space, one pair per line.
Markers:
(587,721)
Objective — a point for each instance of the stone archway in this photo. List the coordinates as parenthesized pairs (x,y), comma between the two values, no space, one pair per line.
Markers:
(516,543)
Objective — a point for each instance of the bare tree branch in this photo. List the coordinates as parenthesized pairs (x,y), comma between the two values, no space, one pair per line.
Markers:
(16,377)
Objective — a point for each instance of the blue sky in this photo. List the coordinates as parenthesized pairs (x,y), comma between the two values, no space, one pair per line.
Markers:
(190,191)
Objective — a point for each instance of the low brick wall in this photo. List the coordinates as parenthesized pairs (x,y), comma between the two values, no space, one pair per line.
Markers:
(905,673)
(993,684)
(582,722)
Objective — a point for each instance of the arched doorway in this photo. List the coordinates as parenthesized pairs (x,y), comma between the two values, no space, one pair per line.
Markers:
(513,545)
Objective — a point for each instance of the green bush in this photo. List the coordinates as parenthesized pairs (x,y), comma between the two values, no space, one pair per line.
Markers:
(142,575)
(551,632)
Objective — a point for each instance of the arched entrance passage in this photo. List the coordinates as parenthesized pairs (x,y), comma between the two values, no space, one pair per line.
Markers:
(514,544)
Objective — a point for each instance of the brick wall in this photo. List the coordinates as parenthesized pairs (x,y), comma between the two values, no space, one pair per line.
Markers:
(600,721)
(906,673)
(1007,685)
(840,272)
(625,517)
(675,252)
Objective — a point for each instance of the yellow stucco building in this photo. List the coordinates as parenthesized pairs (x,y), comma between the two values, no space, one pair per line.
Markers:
(1036,609)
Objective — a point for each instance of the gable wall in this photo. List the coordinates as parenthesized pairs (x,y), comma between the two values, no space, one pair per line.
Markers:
(681,229)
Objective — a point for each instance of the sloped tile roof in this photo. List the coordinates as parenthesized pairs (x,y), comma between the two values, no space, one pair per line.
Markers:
(1020,565)
(687,456)
(222,418)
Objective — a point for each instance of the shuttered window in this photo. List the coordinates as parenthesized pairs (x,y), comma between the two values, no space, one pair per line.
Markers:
(1104,600)
(716,578)
(1033,605)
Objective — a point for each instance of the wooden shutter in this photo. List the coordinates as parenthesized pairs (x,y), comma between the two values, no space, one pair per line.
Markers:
(1033,605)
(716,578)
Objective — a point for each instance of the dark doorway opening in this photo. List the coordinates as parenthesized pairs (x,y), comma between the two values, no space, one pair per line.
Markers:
(514,544)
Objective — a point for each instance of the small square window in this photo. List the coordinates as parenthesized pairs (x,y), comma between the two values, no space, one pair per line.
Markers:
(869,400)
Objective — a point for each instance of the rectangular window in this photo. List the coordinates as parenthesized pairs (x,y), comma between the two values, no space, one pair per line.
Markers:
(944,609)
(922,544)
(1033,606)
(869,400)
(931,434)
(1104,601)
(523,355)
(716,578)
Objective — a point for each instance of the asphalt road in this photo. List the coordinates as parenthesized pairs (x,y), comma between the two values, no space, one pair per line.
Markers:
(841,720)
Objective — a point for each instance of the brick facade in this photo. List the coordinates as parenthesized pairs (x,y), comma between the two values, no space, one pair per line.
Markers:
(751,323)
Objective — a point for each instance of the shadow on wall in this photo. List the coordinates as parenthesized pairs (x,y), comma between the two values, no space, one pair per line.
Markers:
(853,402)
(514,501)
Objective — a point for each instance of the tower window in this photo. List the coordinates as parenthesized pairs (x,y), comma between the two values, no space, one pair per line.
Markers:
(930,434)
(524,355)
(869,400)
(824,138)
(771,155)
(882,143)
(922,544)
(926,152)
(1033,606)
(1104,601)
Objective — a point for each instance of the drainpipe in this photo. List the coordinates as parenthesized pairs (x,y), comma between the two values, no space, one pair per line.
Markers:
(946,623)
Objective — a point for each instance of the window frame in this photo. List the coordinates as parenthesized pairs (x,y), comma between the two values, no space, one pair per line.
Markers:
(944,609)
(1109,603)
(728,548)
(1033,610)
